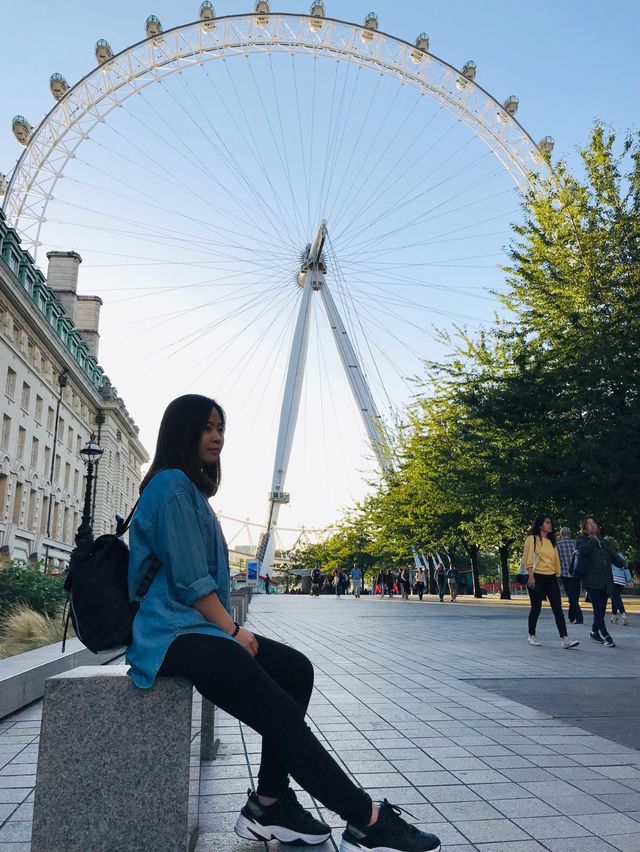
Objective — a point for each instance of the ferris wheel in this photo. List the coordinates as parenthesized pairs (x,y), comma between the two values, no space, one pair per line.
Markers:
(287,156)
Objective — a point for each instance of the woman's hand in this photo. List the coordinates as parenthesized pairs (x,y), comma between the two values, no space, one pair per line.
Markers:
(531,581)
(247,640)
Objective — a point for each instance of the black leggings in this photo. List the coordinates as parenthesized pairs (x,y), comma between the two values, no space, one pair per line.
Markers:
(546,586)
(598,598)
(269,692)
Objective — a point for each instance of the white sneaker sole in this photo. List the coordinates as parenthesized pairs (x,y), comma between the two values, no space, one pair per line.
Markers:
(250,830)
(345,846)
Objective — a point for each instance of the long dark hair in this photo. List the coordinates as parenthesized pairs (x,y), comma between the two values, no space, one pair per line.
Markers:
(537,525)
(182,424)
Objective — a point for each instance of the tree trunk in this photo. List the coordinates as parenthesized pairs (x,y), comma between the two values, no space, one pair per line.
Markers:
(505,582)
(472,552)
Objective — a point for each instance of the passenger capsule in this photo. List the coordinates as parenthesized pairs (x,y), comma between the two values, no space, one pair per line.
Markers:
(207,15)
(103,51)
(317,14)
(545,146)
(59,86)
(370,28)
(262,12)
(154,30)
(467,73)
(22,130)
(422,46)
(509,108)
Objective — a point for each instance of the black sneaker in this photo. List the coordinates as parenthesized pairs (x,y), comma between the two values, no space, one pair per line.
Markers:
(596,638)
(286,820)
(389,834)
(608,642)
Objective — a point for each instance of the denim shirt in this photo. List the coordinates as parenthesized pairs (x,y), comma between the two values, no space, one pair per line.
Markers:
(174,522)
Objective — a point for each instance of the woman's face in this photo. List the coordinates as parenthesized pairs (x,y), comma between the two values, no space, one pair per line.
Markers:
(547,526)
(590,527)
(211,439)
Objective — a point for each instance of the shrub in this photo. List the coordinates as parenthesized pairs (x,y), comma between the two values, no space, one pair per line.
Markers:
(24,629)
(26,584)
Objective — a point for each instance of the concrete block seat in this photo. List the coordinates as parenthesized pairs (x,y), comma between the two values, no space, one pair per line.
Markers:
(114,764)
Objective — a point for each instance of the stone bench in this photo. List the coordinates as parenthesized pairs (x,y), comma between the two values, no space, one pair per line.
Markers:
(114,765)
(23,676)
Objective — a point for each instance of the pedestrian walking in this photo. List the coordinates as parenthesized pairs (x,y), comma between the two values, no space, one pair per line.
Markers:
(540,558)
(419,587)
(338,582)
(570,583)
(441,580)
(184,628)
(453,581)
(267,584)
(356,581)
(381,583)
(621,576)
(595,558)
(316,582)
(389,582)
(405,581)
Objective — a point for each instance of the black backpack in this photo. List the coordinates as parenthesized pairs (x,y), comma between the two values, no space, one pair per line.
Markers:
(98,602)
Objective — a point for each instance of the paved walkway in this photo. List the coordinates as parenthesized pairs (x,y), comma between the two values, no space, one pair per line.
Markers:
(397,700)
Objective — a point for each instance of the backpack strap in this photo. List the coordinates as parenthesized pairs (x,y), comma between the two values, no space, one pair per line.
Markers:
(148,578)
(123,525)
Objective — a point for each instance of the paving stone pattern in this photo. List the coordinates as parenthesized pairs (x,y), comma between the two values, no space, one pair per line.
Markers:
(394,700)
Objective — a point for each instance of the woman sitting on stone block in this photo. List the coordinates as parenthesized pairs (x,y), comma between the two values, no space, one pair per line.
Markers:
(184,629)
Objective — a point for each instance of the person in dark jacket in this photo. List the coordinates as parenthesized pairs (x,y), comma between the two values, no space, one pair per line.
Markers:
(389,581)
(595,558)
(441,580)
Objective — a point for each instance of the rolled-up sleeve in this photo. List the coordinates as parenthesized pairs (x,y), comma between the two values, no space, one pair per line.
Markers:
(176,538)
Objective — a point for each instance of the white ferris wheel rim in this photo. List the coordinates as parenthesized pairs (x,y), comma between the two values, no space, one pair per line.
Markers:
(86,104)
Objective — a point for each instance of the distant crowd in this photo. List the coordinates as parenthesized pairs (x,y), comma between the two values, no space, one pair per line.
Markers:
(404,583)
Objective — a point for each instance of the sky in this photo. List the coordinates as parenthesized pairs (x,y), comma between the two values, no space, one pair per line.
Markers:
(191,205)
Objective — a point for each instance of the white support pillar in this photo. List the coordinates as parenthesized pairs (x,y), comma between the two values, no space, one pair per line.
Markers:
(311,279)
(357,381)
(288,418)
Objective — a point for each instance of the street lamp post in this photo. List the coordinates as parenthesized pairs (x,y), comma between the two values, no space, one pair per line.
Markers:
(63,380)
(90,453)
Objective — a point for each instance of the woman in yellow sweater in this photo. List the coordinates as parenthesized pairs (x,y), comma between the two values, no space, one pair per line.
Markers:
(542,562)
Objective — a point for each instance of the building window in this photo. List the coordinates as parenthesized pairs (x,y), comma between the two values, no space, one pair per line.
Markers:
(47,462)
(78,444)
(70,439)
(43,516)
(26,397)
(38,412)
(56,469)
(31,513)
(35,443)
(17,504)
(3,496)
(6,431)
(67,476)
(50,416)
(22,436)
(76,483)
(10,387)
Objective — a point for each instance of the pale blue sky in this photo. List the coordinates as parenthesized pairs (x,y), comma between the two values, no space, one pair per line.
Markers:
(568,62)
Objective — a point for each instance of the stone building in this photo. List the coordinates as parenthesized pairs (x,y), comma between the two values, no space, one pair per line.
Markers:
(53,395)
